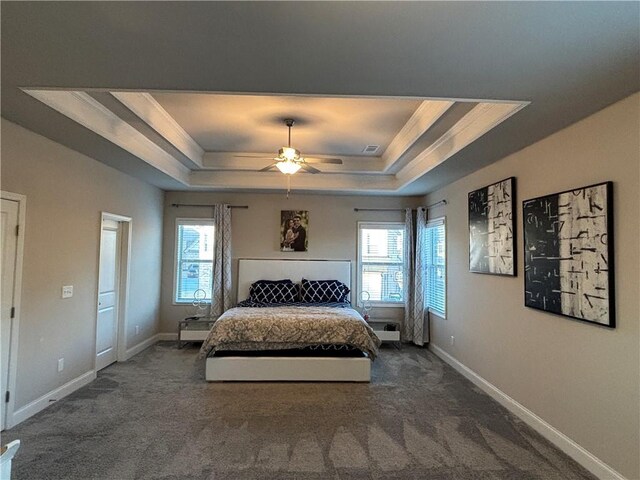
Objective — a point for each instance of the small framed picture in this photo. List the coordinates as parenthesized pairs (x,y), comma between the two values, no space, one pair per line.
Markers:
(492,247)
(294,230)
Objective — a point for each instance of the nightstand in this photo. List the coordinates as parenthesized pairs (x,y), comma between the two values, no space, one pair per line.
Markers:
(381,327)
(194,329)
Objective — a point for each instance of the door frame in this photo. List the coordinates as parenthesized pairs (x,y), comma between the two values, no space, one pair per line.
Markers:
(126,227)
(17,304)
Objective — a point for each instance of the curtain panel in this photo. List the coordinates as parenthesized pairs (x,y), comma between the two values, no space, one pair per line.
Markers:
(221,282)
(416,316)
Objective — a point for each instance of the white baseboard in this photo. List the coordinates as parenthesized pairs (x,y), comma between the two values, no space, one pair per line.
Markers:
(140,347)
(167,336)
(555,436)
(44,401)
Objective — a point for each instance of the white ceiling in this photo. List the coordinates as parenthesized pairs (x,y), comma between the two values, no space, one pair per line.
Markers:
(254,123)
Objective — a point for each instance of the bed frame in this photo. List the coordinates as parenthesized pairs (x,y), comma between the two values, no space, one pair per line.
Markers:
(295,369)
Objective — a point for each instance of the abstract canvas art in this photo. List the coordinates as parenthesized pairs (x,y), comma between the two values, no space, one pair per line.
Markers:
(491,229)
(568,242)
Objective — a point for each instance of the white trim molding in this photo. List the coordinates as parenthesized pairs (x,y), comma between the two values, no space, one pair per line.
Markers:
(88,112)
(165,337)
(125,245)
(44,401)
(17,303)
(153,114)
(481,119)
(422,120)
(548,431)
(143,345)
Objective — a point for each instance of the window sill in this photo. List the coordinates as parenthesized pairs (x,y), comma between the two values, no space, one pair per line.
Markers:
(385,305)
(186,304)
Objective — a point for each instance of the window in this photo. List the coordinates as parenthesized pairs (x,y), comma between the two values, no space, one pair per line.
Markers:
(436,267)
(381,262)
(194,259)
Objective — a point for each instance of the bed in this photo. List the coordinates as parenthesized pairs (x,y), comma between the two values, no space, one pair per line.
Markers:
(290,342)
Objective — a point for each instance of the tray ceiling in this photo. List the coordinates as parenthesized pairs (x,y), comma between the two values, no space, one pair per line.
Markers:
(254,123)
(201,140)
(568,60)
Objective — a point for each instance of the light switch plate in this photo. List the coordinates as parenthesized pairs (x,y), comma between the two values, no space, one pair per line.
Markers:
(67,291)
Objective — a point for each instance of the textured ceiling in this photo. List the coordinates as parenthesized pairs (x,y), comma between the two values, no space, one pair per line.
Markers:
(570,59)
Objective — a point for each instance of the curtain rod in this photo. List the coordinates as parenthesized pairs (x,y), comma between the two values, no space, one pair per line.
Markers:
(177,205)
(441,202)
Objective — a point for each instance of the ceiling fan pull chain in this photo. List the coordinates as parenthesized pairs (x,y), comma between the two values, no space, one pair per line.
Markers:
(288,186)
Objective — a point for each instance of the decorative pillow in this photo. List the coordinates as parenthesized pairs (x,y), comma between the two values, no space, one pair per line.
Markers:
(273,291)
(323,291)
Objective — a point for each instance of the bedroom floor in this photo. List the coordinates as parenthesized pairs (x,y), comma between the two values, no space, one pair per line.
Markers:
(156,417)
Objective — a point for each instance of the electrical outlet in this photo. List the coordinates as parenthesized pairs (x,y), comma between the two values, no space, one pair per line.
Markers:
(137,329)
(60,364)
(453,340)
(67,291)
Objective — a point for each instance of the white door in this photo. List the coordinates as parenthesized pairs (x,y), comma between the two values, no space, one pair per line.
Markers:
(108,284)
(8,229)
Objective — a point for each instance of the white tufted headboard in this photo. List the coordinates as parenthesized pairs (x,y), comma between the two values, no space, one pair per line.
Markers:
(252,270)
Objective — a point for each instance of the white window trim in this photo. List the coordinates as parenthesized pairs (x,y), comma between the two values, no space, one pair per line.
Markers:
(178,222)
(381,225)
(434,223)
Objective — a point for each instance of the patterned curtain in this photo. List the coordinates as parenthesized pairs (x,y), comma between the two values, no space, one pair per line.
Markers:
(416,325)
(408,324)
(221,281)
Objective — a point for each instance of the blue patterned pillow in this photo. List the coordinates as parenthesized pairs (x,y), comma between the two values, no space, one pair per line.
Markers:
(323,291)
(273,291)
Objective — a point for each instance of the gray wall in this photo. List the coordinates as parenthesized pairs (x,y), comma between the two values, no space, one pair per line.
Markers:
(581,378)
(66,193)
(332,232)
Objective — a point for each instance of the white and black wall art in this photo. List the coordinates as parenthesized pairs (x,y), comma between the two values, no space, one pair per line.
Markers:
(491,229)
(568,242)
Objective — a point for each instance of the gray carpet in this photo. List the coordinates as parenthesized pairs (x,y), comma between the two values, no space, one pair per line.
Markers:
(156,417)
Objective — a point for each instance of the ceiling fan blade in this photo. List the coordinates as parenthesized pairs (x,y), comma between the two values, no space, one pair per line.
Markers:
(334,161)
(308,168)
(254,156)
(266,169)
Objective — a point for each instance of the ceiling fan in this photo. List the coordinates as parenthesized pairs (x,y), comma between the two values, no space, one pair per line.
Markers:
(289,160)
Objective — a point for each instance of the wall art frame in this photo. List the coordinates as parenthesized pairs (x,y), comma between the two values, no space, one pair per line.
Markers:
(569,254)
(294,230)
(492,232)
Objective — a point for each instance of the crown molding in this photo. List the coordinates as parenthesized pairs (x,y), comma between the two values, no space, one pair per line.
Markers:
(354,165)
(482,118)
(422,120)
(152,113)
(88,112)
(230,180)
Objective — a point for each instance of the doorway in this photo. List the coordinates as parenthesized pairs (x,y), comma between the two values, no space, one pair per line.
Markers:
(12,240)
(113,274)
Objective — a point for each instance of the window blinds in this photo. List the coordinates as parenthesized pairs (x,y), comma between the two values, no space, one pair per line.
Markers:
(381,261)
(194,259)
(435,274)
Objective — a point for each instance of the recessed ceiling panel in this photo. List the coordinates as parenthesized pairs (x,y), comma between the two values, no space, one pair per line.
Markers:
(254,123)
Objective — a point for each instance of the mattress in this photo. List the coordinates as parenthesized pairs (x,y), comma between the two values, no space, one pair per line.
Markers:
(243,329)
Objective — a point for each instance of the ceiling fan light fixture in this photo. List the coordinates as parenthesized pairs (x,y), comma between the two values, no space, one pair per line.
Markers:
(288,153)
(288,167)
